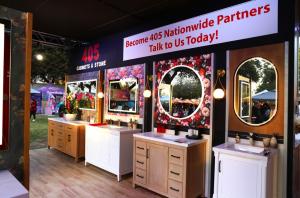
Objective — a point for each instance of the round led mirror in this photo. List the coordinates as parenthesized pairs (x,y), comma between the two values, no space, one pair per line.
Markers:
(255,91)
(180,92)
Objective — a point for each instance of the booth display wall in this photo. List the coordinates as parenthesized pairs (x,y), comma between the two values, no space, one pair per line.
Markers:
(203,65)
(136,71)
(16,157)
(111,50)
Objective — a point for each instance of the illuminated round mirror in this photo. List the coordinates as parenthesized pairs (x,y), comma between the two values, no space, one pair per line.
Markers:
(255,91)
(180,92)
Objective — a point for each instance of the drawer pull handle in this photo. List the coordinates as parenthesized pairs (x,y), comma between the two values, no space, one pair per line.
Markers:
(69,138)
(52,133)
(142,177)
(177,157)
(141,148)
(69,127)
(174,189)
(139,162)
(174,173)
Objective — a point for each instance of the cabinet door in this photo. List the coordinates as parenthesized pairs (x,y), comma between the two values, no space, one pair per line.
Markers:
(239,177)
(51,136)
(114,153)
(71,142)
(157,167)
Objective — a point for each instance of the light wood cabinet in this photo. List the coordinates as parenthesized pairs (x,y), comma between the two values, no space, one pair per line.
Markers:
(66,137)
(168,169)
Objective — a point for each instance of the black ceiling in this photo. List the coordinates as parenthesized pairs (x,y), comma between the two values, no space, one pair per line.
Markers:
(90,19)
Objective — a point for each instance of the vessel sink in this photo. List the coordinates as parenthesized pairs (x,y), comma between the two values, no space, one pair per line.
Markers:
(248,148)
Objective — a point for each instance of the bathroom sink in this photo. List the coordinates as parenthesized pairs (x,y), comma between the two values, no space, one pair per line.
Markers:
(248,148)
(113,126)
(167,137)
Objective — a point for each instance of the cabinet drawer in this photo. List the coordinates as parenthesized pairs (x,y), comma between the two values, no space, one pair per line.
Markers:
(59,126)
(174,188)
(60,133)
(140,176)
(176,156)
(140,162)
(175,172)
(52,124)
(70,128)
(140,148)
(60,143)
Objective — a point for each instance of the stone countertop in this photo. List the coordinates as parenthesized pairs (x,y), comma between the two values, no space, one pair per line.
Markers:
(113,129)
(169,139)
(229,148)
(76,122)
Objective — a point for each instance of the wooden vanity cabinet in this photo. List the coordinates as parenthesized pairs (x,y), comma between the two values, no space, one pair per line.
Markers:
(67,138)
(170,170)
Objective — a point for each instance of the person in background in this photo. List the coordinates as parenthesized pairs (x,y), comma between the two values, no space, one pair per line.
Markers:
(33,109)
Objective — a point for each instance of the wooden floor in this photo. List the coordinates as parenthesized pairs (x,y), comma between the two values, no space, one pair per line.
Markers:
(54,174)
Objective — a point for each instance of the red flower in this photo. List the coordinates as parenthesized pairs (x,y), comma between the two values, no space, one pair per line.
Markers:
(202,72)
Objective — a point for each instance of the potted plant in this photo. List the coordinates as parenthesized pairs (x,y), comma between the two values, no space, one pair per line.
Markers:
(71,108)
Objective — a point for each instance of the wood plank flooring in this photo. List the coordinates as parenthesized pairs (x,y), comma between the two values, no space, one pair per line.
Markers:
(54,174)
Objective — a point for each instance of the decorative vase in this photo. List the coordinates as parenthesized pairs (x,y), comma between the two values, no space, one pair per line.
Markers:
(70,116)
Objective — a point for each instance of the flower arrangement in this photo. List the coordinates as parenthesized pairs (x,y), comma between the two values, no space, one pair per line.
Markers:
(85,100)
(71,106)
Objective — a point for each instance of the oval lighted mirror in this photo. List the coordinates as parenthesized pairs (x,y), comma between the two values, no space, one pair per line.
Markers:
(255,91)
(180,92)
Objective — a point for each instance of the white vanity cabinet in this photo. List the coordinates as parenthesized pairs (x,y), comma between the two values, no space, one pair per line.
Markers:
(110,148)
(242,174)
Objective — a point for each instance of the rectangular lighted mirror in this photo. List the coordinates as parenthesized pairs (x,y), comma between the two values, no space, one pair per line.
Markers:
(84,92)
(123,96)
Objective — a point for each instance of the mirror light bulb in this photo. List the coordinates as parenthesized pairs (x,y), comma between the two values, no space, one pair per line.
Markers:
(147,93)
(219,93)
(100,94)
(39,57)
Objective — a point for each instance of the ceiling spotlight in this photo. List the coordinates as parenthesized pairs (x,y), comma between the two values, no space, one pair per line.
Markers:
(39,57)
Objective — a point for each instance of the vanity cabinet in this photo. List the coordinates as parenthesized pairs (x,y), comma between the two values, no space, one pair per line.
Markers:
(67,137)
(170,169)
(110,148)
(244,174)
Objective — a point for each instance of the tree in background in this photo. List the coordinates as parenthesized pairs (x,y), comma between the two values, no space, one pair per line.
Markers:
(52,68)
(268,80)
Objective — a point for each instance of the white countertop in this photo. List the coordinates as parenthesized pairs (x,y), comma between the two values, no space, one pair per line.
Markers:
(76,122)
(10,186)
(113,129)
(230,149)
(170,139)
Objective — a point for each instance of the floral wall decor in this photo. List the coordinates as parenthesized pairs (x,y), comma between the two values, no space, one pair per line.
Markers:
(201,65)
(134,71)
